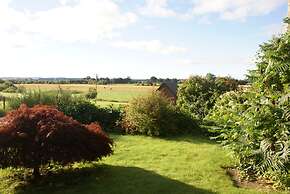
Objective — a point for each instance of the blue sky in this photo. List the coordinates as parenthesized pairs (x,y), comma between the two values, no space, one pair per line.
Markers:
(136,38)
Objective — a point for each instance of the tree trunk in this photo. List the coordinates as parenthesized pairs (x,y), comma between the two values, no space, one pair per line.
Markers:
(36,172)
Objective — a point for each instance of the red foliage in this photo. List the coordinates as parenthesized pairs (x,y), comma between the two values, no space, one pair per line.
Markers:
(31,137)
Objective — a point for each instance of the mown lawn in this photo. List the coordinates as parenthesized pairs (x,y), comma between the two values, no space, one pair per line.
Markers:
(141,165)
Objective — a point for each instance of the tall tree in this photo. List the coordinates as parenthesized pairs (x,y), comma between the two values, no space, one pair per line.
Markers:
(288,14)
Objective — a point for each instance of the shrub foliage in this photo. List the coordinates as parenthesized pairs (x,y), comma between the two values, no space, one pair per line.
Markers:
(255,123)
(8,87)
(77,107)
(152,115)
(92,93)
(32,137)
(273,64)
(197,95)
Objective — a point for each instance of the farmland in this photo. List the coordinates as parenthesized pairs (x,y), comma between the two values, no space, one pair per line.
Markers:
(109,97)
(111,94)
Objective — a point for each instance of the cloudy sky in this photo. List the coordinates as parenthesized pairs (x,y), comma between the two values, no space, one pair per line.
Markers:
(136,38)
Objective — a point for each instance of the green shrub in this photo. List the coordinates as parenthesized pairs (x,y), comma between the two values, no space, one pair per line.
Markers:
(11,89)
(72,105)
(2,113)
(92,93)
(255,126)
(187,124)
(33,98)
(273,64)
(7,86)
(255,123)
(197,95)
(152,115)
(86,112)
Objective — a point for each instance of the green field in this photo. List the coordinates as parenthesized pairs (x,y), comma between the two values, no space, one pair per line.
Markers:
(116,93)
(108,95)
(142,165)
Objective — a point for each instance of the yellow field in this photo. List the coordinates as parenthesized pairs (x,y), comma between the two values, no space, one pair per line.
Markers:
(110,93)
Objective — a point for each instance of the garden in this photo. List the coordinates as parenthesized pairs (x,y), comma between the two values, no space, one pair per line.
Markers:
(217,138)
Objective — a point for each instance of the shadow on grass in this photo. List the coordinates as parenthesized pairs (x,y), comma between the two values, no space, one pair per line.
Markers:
(189,138)
(106,179)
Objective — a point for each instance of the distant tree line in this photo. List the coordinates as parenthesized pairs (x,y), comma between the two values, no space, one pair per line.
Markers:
(102,80)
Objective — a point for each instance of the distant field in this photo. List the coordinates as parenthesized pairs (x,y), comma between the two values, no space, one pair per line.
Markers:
(111,93)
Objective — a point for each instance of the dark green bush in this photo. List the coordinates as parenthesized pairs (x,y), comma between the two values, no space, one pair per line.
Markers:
(92,93)
(152,115)
(86,112)
(11,89)
(7,86)
(2,113)
(197,95)
(72,105)
(256,128)
(187,124)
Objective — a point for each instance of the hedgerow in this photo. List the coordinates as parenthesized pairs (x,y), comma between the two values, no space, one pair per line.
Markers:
(75,106)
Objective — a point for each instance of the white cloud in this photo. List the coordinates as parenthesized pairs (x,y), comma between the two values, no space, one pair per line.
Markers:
(235,9)
(153,46)
(86,20)
(157,8)
(225,9)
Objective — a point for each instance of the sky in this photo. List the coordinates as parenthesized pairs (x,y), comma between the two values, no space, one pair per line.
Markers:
(136,38)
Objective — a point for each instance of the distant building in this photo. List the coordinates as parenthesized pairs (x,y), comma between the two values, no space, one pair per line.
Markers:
(169,90)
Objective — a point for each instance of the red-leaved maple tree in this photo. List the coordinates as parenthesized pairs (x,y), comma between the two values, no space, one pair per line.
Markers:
(32,137)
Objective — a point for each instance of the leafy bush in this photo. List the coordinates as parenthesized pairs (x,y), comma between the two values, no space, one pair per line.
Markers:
(11,89)
(2,113)
(7,86)
(33,137)
(92,93)
(86,112)
(32,98)
(75,106)
(256,127)
(255,123)
(186,124)
(273,64)
(197,95)
(152,115)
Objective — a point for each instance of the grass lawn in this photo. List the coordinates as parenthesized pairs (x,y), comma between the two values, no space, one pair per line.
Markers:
(141,165)
(114,92)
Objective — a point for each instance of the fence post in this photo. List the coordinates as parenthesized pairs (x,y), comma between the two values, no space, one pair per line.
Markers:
(4,102)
